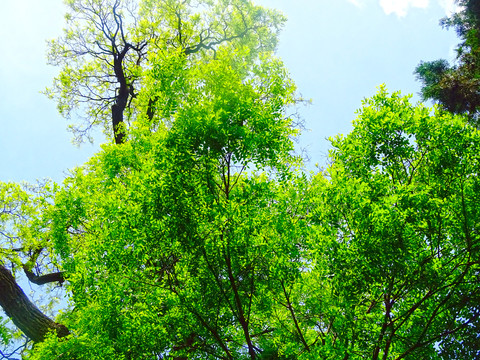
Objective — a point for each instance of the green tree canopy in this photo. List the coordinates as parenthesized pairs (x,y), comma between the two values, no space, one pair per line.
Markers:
(175,242)
(108,45)
(108,52)
(177,247)
(456,87)
(196,235)
(398,246)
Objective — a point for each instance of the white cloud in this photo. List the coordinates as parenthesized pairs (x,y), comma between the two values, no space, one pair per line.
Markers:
(401,7)
(449,6)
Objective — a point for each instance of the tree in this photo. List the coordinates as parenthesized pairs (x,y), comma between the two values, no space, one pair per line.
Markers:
(196,236)
(174,242)
(456,87)
(104,55)
(398,245)
(107,45)
(173,248)
(26,254)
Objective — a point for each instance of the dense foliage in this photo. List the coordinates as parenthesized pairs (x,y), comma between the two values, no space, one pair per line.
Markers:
(398,234)
(456,87)
(198,236)
(108,46)
(174,233)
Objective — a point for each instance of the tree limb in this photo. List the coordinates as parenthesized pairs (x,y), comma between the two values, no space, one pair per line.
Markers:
(24,313)
(44,279)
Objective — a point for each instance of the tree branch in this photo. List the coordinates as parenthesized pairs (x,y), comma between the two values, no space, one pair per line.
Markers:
(24,313)
(44,279)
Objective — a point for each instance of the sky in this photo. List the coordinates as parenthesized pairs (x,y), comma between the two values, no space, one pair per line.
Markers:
(337,51)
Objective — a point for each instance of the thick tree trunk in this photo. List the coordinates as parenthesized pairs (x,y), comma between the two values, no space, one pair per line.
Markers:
(117,120)
(121,98)
(24,314)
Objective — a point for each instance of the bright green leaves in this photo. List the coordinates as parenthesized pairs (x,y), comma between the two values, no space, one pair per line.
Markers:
(197,237)
(14,204)
(21,233)
(227,106)
(385,140)
(174,245)
(108,45)
(173,229)
(160,249)
(401,200)
(165,85)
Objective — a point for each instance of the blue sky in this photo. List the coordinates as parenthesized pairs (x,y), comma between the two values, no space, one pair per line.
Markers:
(337,51)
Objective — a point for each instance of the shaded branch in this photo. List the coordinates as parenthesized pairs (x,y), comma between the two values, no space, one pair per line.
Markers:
(44,279)
(24,313)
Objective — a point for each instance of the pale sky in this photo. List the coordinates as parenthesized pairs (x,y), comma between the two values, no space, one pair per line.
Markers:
(338,52)
(402,7)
